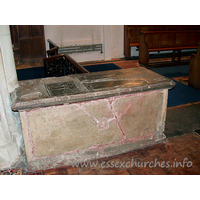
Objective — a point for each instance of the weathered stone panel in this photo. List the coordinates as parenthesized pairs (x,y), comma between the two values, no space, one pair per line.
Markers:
(137,114)
(61,129)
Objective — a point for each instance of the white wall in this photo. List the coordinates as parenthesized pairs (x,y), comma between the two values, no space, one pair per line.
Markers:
(111,36)
(117,41)
(8,58)
(10,128)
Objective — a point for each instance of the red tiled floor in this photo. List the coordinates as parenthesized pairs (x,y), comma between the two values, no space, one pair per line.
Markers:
(174,151)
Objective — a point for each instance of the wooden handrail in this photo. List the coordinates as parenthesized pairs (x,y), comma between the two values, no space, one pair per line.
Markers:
(51,43)
(53,57)
(53,48)
(53,51)
(61,65)
(79,67)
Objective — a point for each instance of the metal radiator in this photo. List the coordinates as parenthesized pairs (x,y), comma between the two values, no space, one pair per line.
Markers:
(80,49)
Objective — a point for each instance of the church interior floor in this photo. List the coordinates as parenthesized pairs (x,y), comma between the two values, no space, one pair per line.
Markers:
(29,65)
(119,62)
(122,63)
(179,154)
(176,156)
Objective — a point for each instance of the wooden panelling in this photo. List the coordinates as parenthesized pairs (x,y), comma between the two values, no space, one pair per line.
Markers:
(166,40)
(30,41)
(38,47)
(37,30)
(194,72)
(26,49)
(24,32)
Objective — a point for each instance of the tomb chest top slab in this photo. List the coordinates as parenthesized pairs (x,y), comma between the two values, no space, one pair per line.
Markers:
(83,87)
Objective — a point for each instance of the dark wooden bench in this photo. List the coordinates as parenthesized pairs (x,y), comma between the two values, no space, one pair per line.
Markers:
(194,71)
(62,65)
(166,40)
(132,33)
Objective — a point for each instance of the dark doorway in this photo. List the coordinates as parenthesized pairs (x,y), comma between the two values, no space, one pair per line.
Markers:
(28,42)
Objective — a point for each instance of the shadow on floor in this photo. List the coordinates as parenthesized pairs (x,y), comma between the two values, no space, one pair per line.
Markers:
(182,119)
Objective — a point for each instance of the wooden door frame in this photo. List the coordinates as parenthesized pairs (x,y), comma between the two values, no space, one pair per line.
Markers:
(15,37)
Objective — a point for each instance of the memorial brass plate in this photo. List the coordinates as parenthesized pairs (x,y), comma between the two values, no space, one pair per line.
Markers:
(100,85)
(59,89)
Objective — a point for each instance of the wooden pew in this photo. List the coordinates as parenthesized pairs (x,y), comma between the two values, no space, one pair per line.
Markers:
(194,71)
(132,33)
(131,36)
(151,41)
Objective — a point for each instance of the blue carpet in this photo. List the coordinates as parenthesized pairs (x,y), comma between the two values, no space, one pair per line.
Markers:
(102,67)
(30,73)
(172,71)
(180,94)
(38,72)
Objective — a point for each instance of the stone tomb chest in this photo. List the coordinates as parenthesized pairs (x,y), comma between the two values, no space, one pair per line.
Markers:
(82,117)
